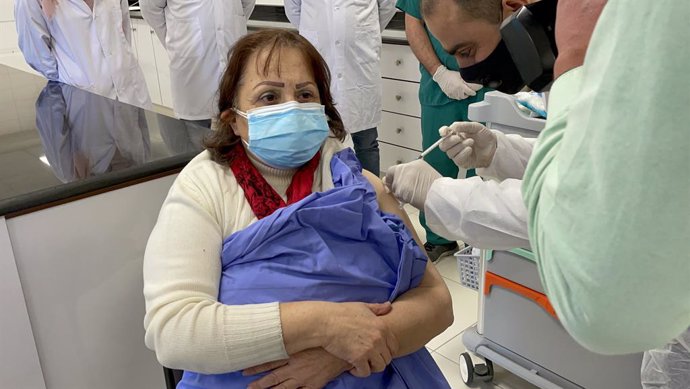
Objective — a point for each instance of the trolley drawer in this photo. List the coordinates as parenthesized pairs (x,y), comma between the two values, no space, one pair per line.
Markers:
(517,318)
(517,265)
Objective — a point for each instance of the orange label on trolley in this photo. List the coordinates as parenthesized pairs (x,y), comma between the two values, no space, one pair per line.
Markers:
(492,279)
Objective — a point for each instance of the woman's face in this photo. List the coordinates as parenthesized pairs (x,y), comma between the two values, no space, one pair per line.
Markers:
(289,80)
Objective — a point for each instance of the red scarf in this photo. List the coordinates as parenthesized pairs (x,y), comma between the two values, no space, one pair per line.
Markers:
(259,193)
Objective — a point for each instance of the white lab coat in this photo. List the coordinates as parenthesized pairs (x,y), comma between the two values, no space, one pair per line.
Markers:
(87,49)
(198,35)
(485,214)
(85,135)
(347,33)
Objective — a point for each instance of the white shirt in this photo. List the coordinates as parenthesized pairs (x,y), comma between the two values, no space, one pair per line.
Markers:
(198,35)
(88,49)
(347,33)
(485,214)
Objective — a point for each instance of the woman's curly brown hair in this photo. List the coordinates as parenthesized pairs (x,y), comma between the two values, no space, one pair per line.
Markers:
(221,141)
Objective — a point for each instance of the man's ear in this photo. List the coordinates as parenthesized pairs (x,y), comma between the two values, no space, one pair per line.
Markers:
(514,5)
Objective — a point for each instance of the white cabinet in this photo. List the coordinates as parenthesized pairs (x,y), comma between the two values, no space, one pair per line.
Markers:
(401,97)
(401,130)
(398,62)
(6,10)
(143,35)
(163,66)
(82,290)
(400,133)
(154,62)
(394,155)
(134,39)
(8,29)
(8,37)
(19,363)
(270,2)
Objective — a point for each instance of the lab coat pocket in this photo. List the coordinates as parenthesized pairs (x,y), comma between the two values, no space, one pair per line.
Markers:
(363,107)
(368,42)
(184,39)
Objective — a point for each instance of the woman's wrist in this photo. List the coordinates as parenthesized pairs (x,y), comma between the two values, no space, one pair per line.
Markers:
(304,324)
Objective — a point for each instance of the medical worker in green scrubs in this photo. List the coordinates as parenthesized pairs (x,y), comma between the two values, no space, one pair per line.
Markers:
(444,97)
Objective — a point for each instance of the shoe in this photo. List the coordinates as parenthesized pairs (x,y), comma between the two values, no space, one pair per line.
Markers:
(436,252)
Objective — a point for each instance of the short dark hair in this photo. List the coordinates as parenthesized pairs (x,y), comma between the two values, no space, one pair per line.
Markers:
(220,142)
(489,10)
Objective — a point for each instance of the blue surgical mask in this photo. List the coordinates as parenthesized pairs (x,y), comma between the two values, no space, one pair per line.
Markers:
(286,135)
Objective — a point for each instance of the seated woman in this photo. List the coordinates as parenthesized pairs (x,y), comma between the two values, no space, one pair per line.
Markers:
(275,251)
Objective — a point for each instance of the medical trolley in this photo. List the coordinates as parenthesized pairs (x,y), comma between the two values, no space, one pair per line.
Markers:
(517,327)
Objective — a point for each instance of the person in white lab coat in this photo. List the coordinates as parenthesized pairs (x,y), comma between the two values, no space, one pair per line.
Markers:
(484,214)
(347,33)
(82,43)
(198,35)
(84,134)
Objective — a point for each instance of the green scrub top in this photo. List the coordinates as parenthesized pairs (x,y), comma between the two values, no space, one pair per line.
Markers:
(429,91)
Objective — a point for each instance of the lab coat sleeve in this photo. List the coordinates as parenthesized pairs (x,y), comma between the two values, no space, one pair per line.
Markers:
(483,214)
(126,20)
(511,157)
(248,7)
(386,12)
(608,189)
(153,12)
(293,9)
(35,39)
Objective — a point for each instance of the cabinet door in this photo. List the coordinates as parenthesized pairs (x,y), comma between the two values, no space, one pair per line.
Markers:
(8,37)
(163,67)
(135,27)
(401,97)
(395,155)
(82,288)
(6,11)
(398,62)
(147,60)
(19,363)
(401,130)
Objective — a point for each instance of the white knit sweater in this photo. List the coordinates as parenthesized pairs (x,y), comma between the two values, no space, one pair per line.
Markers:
(185,324)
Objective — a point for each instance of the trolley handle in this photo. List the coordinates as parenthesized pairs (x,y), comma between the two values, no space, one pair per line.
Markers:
(492,279)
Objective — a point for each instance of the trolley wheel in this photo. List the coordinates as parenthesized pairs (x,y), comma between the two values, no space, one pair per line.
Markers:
(485,371)
(466,369)
(471,373)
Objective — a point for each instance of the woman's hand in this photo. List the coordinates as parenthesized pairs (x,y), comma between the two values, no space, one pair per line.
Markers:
(312,369)
(355,334)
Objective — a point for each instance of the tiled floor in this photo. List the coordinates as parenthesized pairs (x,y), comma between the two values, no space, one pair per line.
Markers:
(447,346)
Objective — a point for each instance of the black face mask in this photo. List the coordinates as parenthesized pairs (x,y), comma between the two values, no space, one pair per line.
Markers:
(526,54)
(497,71)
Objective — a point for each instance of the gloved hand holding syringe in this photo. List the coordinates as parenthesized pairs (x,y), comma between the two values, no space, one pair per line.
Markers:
(421,156)
(424,173)
(468,144)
